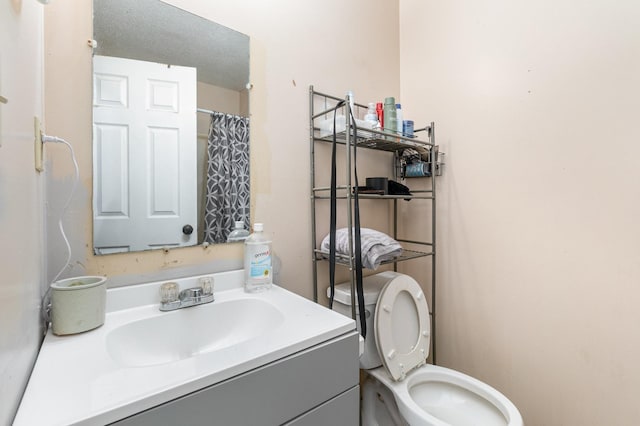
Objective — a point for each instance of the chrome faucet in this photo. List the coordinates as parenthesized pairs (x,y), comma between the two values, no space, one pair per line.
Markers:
(171,299)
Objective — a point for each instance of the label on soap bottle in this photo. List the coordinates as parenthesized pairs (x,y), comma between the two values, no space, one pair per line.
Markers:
(259,261)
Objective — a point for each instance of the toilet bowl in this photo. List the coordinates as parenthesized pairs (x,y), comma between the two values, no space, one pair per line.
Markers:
(438,396)
(401,388)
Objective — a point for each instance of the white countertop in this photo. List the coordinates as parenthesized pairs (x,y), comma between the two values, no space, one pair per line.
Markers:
(76,381)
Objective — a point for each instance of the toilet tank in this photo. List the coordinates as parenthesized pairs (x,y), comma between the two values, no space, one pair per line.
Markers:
(372,285)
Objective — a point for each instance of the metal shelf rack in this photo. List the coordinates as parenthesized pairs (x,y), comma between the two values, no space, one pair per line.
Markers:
(375,140)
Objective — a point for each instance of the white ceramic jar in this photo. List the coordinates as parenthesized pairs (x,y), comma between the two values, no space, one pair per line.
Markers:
(78,304)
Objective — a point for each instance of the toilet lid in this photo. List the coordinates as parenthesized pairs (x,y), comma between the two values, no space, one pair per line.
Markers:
(402,326)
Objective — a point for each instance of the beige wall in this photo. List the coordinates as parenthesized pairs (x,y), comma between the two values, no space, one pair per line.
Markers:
(537,107)
(219,99)
(291,48)
(21,200)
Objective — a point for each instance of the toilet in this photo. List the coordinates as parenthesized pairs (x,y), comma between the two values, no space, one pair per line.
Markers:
(400,387)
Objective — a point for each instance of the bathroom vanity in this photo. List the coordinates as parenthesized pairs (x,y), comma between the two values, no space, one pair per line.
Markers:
(253,359)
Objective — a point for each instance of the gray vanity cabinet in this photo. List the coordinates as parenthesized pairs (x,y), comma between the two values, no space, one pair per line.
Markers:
(314,387)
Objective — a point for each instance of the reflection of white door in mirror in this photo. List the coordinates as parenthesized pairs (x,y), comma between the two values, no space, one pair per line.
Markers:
(144,145)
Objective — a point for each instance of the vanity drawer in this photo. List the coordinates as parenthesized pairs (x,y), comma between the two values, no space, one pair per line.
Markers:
(269,395)
(342,410)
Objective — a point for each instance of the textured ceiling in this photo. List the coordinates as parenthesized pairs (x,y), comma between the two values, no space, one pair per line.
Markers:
(153,31)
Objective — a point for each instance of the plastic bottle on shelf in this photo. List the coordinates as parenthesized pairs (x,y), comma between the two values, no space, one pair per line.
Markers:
(399,119)
(238,233)
(257,261)
(371,116)
(380,113)
(390,117)
(351,101)
(407,128)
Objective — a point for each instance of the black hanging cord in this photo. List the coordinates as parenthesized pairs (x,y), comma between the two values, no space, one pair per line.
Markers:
(357,238)
(332,223)
(332,215)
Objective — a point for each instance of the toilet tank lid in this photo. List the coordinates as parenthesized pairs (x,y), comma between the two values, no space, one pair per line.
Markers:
(372,285)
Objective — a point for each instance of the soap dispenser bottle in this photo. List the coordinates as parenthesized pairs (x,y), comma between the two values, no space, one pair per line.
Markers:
(257,261)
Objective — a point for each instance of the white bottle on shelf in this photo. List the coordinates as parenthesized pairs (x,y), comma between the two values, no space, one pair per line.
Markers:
(399,118)
(257,261)
(352,103)
(372,117)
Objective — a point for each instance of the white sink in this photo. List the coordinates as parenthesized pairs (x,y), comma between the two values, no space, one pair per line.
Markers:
(141,357)
(187,332)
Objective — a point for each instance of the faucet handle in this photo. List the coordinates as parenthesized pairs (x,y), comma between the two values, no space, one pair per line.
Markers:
(206,283)
(191,293)
(169,292)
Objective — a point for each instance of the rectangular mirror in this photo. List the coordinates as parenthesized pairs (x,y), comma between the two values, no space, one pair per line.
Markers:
(170,127)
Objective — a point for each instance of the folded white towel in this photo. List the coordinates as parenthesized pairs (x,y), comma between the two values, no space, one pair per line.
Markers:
(376,246)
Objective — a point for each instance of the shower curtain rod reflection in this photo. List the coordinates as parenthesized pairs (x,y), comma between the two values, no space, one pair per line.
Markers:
(206,111)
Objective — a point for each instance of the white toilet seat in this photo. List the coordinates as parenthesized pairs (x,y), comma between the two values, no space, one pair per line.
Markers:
(402,326)
(429,395)
(437,396)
